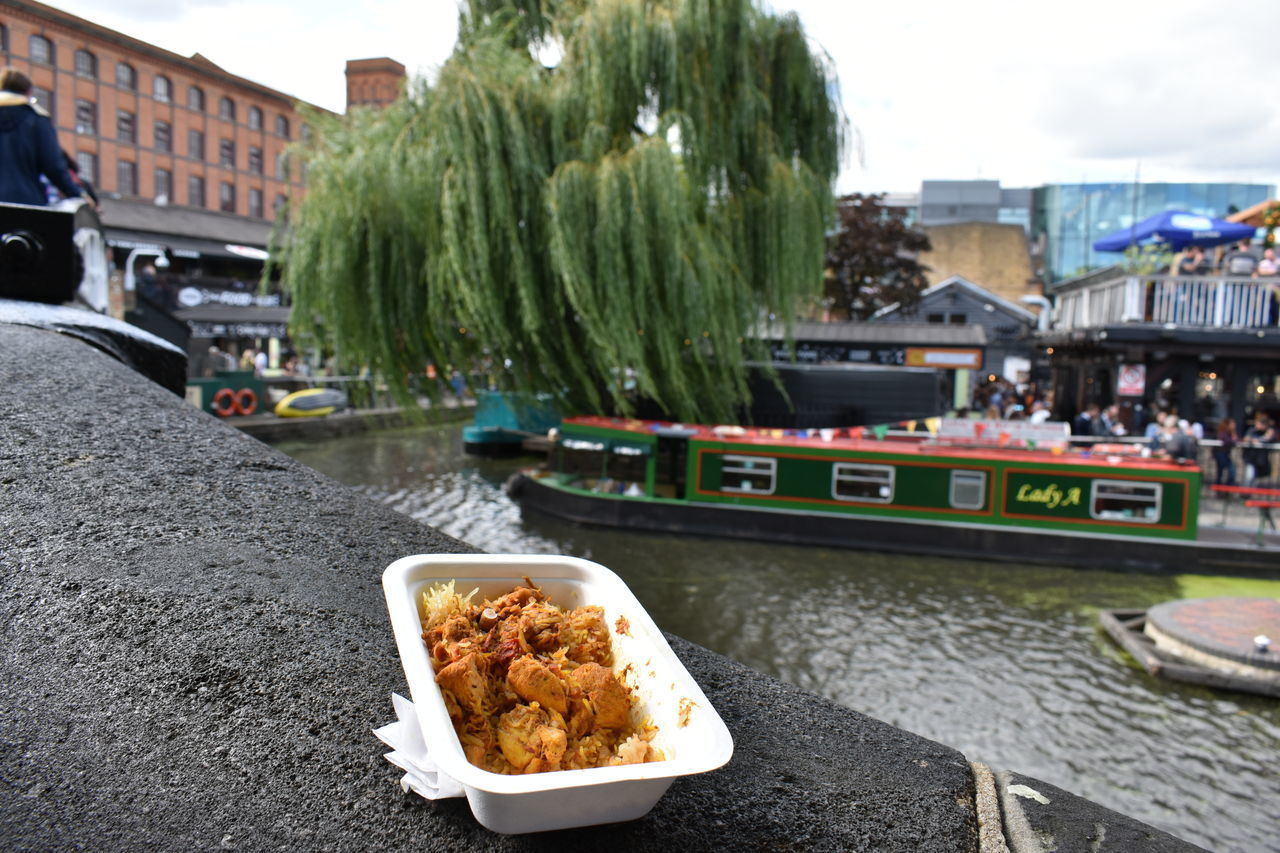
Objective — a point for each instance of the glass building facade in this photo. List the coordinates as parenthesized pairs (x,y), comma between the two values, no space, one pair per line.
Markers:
(1067,218)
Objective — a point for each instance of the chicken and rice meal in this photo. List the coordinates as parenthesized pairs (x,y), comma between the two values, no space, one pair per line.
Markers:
(530,687)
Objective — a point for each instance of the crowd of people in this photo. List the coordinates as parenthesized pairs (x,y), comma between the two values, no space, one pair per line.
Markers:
(1242,261)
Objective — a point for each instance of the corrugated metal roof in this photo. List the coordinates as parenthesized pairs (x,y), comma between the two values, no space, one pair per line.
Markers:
(912,334)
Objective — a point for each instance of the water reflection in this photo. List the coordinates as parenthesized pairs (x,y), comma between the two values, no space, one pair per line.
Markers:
(1005,663)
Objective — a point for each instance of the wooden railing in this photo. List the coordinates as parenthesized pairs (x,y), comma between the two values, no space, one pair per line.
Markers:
(1203,301)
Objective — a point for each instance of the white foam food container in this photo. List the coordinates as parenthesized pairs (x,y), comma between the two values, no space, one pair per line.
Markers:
(666,693)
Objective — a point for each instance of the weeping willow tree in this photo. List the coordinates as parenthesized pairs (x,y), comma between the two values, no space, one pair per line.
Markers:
(639,206)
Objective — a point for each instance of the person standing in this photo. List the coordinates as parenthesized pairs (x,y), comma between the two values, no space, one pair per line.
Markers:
(1257,456)
(28,146)
(1227,440)
(1239,262)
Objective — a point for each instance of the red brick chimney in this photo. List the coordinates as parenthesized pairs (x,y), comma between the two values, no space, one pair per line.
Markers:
(373,82)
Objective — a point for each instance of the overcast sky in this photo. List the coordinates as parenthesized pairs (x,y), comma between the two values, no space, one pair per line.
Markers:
(1023,92)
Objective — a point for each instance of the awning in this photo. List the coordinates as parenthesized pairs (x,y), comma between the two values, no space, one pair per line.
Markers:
(182,247)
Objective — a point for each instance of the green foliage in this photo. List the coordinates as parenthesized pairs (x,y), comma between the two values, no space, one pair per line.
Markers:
(873,258)
(642,205)
(1149,259)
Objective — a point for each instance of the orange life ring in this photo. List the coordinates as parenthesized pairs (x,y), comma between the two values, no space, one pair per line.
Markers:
(246,401)
(224,403)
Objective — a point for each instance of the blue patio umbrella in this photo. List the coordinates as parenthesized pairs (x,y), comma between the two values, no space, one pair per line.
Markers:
(1176,229)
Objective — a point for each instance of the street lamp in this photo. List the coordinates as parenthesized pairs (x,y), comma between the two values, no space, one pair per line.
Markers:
(130,279)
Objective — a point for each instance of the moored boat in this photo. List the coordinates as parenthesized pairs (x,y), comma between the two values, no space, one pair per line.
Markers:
(965,496)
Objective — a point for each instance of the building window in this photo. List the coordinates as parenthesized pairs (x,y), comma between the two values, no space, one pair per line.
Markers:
(282,166)
(126,127)
(227,154)
(195,98)
(1125,500)
(968,489)
(4,38)
(126,77)
(281,203)
(227,109)
(282,126)
(255,203)
(752,475)
(306,132)
(86,64)
(164,186)
(195,191)
(162,89)
(86,117)
(195,144)
(255,118)
(255,159)
(87,164)
(44,98)
(227,197)
(864,483)
(935,318)
(958,319)
(163,136)
(126,177)
(41,50)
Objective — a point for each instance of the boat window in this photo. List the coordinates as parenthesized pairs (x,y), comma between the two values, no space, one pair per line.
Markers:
(750,474)
(968,489)
(1125,500)
(869,483)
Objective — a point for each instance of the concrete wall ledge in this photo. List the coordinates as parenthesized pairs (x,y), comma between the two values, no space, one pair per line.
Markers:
(196,649)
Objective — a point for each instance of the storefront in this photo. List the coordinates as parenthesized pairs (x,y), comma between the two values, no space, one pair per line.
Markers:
(1202,374)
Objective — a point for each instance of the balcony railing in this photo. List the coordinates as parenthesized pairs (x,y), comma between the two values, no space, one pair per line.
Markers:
(1205,301)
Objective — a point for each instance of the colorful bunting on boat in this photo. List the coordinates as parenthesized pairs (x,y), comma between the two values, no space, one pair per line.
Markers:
(933,425)
(880,430)
(1004,438)
(911,426)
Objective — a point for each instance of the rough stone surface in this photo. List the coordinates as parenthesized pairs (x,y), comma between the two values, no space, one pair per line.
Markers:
(153,357)
(1065,822)
(196,648)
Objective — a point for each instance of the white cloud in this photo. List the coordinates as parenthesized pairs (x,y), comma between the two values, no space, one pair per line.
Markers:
(1023,92)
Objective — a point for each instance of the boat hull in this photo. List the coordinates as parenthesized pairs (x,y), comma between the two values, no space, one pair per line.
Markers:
(924,537)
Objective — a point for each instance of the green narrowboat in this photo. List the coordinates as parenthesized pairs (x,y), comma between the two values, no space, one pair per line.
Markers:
(922,495)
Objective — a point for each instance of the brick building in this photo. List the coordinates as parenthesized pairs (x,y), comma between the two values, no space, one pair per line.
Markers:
(189,161)
(146,123)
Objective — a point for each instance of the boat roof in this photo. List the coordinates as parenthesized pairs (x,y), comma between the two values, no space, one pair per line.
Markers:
(845,439)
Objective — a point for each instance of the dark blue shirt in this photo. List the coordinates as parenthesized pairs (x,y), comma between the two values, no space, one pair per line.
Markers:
(28,149)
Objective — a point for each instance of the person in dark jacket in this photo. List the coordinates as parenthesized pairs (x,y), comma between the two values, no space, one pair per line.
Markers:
(28,146)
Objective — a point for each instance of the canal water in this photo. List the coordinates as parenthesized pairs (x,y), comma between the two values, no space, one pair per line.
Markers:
(1005,663)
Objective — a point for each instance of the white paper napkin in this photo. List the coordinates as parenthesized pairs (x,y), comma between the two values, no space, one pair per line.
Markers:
(411,755)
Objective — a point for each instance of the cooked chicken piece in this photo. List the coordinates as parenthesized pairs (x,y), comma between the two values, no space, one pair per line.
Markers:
(511,603)
(533,681)
(587,636)
(541,626)
(465,681)
(633,751)
(609,702)
(528,740)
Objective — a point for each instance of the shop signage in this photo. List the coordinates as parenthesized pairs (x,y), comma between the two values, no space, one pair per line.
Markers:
(1132,380)
(237,330)
(940,357)
(190,297)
